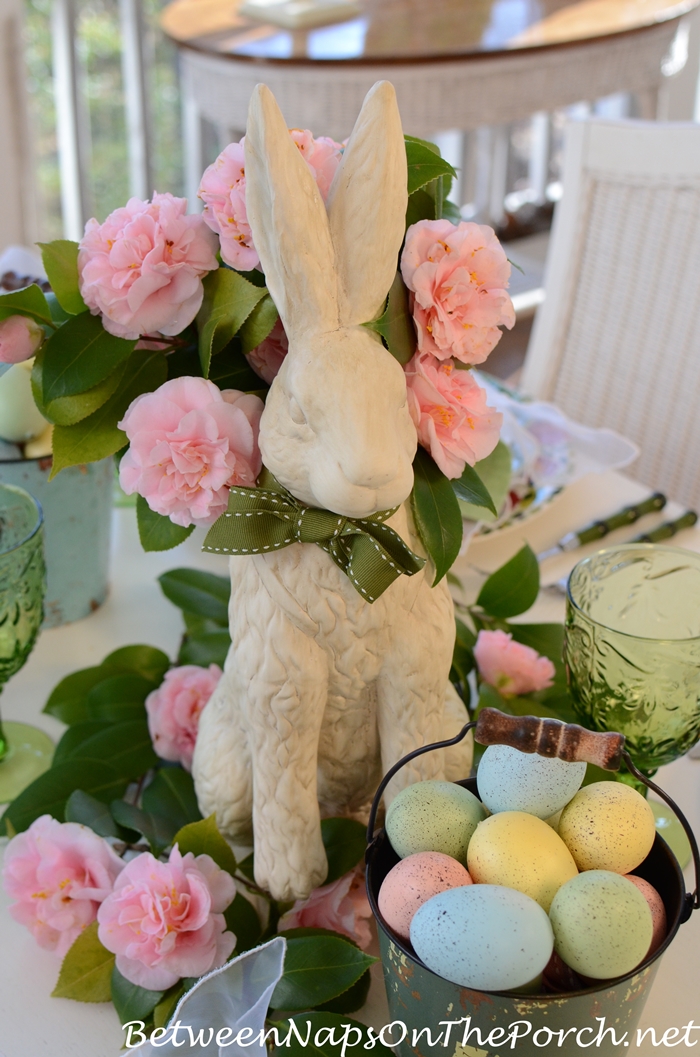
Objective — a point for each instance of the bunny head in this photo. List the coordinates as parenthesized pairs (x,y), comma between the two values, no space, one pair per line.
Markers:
(336,430)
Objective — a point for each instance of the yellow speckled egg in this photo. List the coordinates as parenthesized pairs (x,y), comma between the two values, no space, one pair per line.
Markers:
(608,826)
(602,924)
(412,882)
(433,816)
(520,851)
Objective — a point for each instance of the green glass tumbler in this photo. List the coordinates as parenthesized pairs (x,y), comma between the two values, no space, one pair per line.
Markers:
(25,751)
(632,647)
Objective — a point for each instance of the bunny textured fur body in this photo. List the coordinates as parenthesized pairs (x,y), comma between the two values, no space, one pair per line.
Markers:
(322,691)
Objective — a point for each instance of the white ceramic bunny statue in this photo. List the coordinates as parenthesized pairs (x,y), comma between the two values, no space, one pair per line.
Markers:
(323,691)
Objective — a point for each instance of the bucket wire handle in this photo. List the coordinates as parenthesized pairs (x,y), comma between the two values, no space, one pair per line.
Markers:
(552,738)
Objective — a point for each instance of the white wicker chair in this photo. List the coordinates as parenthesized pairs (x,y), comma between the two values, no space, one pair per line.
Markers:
(617,341)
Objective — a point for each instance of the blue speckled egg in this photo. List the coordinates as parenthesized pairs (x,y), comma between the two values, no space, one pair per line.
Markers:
(433,816)
(483,936)
(510,780)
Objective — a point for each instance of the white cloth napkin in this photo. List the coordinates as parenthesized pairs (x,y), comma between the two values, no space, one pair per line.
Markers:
(549,448)
(236,996)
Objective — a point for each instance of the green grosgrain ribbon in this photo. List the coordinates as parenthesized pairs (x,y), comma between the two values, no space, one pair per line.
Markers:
(268,517)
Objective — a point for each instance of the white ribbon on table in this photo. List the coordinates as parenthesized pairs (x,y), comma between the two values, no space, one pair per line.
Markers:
(236,996)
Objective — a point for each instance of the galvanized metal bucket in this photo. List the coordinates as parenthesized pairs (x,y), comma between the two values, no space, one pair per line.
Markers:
(492,1024)
(77,507)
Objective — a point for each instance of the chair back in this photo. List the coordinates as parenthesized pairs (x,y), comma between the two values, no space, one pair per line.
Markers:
(617,341)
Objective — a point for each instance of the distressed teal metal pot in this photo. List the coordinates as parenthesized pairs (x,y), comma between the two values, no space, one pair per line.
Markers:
(493,1024)
(77,507)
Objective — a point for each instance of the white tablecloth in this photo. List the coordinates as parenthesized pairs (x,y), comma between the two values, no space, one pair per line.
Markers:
(32,1024)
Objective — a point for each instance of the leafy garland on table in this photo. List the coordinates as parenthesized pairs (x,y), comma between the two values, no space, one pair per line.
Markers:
(84,378)
(107,776)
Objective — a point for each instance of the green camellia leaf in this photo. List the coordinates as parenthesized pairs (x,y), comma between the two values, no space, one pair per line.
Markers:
(29,301)
(495,474)
(231,370)
(205,648)
(131,1001)
(126,747)
(203,838)
(120,697)
(86,972)
(352,999)
(243,921)
(345,841)
(89,811)
(325,1034)
(228,301)
(547,639)
(171,795)
(513,588)
(462,656)
(156,532)
(318,968)
(424,164)
(47,795)
(166,1007)
(421,206)
(157,830)
(67,410)
(69,702)
(73,738)
(98,435)
(147,661)
(198,592)
(79,355)
(61,263)
(258,324)
(436,513)
(395,325)
(470,488)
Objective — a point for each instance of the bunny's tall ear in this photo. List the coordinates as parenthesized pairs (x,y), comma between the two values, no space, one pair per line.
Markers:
(289,222)
(367,207)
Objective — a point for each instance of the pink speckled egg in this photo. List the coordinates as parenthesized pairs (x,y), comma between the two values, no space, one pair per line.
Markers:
(414,881)
(658,911)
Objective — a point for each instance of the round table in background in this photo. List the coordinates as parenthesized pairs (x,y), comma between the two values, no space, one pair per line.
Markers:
(456,64)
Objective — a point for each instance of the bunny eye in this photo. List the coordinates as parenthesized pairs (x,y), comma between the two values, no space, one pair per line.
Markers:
(295,413)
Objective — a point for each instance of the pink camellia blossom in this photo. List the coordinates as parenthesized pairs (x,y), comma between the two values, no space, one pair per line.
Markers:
(509,666)
(222,190)
(266,358)
(457,275)
(189,442)
(341,906)
(59,873)
(142,268)
(165,920)
(450,413)
(175,707)
(20,337)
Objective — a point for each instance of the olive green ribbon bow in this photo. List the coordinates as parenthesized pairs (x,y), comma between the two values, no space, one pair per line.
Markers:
(268,518)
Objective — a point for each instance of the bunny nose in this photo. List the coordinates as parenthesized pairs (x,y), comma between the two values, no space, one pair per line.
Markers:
(373,471)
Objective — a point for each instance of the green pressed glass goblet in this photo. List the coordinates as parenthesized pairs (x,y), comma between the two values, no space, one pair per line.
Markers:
(25,751)
(632,648)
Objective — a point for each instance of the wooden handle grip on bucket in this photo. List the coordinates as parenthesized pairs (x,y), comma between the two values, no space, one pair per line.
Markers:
(550,737)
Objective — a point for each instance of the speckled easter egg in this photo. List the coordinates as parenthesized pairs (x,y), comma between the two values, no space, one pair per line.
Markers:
(608,826)
(484,936)
(510,780)
(414,881)
(520,851)
(433,816)
(602,924)
(658,910)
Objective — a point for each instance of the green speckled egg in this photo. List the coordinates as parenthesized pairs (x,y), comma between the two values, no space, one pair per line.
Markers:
(433,816)
(602,924)
(608,826)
